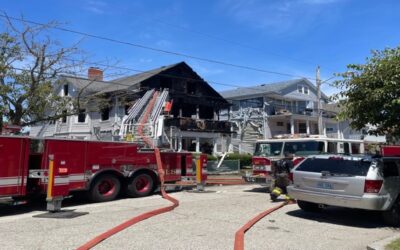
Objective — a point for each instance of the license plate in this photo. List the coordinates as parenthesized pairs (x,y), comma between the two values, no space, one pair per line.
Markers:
(325,185)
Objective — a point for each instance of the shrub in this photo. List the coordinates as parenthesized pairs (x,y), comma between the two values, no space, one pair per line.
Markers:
(245,159)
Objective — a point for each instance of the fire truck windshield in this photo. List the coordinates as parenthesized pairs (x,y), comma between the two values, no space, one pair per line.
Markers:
(268,149)
(304,147)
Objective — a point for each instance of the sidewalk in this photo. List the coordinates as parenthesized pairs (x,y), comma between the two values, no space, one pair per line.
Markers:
(380,245)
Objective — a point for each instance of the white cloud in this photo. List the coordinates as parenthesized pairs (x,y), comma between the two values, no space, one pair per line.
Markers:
(97,7)
(276,16)
(164,43)
(206,71)
(145,60)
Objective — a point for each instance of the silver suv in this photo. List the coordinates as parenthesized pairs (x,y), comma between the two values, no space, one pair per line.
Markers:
(349,181)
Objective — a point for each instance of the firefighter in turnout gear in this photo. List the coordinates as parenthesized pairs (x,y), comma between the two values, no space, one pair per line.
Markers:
(280,174)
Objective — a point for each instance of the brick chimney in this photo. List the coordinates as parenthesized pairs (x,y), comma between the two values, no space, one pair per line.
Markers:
(95,74)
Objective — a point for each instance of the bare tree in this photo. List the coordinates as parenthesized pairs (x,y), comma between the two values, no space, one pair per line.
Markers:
(30,64)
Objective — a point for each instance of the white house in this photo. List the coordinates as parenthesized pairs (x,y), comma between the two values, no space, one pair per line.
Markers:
(281,109)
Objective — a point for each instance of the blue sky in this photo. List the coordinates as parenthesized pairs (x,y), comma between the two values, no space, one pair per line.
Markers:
(285,36)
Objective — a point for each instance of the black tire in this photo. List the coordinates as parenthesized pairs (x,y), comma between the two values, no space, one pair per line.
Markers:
(308,206)
(140,185)
(105,188)
(391,217)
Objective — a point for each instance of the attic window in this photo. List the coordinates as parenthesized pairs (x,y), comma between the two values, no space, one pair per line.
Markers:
(65,89)
(105,114)
(300,88)
(191,88)
(303,89)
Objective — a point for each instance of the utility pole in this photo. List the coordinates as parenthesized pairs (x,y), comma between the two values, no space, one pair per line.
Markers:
(318,82)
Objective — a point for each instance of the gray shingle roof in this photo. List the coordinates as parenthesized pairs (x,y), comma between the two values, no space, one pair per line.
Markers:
(276,87)
(89,85)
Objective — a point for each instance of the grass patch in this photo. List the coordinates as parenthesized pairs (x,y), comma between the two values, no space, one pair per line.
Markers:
(394,245)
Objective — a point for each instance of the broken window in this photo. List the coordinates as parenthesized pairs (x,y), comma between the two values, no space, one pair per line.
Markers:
(105,114)
(65,89)
(64,116)
(191,88)
(82,116)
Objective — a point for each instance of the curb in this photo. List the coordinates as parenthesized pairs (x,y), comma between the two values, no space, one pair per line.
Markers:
(380,245)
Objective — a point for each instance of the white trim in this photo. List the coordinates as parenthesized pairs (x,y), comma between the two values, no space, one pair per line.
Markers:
(10,181)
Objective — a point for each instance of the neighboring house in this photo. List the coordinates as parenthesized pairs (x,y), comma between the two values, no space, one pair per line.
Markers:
(281,109)
(190,123)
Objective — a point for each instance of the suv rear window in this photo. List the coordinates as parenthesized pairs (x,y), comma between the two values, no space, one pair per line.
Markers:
(335,166)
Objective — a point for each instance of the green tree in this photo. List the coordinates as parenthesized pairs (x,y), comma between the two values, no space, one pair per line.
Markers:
(30,64)
(370,93)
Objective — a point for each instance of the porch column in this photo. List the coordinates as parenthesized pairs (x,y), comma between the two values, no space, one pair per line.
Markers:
(197,144)
(215,144)
(338,130)
(308,126)
(292,125)
(180,143)
(197,112)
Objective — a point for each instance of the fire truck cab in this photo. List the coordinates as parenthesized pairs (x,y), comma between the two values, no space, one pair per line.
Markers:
(267,152)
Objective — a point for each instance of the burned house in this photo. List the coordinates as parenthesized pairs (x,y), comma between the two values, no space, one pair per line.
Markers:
(183,110)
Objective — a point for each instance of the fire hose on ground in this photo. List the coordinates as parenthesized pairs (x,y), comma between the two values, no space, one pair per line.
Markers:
(90,244)
(239,236)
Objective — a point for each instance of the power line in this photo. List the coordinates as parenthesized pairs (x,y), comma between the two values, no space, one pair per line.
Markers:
(232,42)
(156,49)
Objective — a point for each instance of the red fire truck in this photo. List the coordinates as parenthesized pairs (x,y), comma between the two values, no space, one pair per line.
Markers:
(58,167)
(267,152)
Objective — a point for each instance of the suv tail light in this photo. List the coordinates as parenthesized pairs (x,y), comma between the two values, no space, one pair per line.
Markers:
(372,186)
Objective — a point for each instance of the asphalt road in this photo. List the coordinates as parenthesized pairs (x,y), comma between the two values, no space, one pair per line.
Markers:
(202,221)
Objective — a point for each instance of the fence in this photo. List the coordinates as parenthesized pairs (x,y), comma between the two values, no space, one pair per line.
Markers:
(227,167)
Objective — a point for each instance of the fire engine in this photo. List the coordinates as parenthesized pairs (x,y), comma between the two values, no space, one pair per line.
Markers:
(60,167)
(267,152)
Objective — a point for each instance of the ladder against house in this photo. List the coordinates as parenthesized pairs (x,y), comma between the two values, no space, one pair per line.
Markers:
(144,118)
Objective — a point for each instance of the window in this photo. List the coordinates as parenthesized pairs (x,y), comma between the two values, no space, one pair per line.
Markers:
(303,89)
(82,116)
(300,88)
(332,148)
(335,167)
(268,149)
(64,116)
(330,130)
(355,148)
(252,103)
(302,128)
(346,148)
(65,89)
(304,147)
(390,169)
(191,88)
(126,109)
(279,124)
(105,114)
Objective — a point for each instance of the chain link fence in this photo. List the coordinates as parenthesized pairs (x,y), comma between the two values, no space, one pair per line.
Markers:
(227,167)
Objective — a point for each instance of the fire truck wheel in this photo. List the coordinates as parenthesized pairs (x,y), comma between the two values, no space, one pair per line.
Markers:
(140,185)
(105,188)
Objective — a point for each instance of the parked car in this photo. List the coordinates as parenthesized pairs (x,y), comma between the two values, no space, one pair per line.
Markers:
(364,182)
